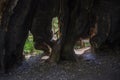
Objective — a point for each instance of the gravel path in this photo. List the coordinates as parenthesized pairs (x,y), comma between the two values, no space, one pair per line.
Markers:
(89,67)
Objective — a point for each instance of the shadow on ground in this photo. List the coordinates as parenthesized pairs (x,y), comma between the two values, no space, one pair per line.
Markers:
(89,67)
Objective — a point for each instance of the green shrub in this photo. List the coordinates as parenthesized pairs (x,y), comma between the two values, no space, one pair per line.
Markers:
(29,46)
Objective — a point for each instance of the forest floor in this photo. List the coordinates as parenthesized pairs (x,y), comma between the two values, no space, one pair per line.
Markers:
(102,66)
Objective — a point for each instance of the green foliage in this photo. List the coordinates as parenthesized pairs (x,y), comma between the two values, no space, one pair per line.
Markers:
(55,24)
(78,46)
(55,28)
(87,44)
(29,46)
(55,20)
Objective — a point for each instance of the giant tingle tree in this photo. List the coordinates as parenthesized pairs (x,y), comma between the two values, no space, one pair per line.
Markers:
(76,20)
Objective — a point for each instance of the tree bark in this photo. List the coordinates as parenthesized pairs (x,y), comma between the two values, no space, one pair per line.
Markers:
(18,25)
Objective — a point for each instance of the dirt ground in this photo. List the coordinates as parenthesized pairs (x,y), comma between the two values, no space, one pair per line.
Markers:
(102,66)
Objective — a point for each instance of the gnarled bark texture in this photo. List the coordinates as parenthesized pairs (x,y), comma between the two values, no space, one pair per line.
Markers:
(18,17)
(106,19)
(17,31)
(79,17)
(41,25)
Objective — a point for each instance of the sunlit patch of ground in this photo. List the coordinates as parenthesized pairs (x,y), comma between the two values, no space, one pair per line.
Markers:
(81,51)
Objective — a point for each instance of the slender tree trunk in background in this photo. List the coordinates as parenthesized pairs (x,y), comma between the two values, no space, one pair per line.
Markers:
(64,48)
